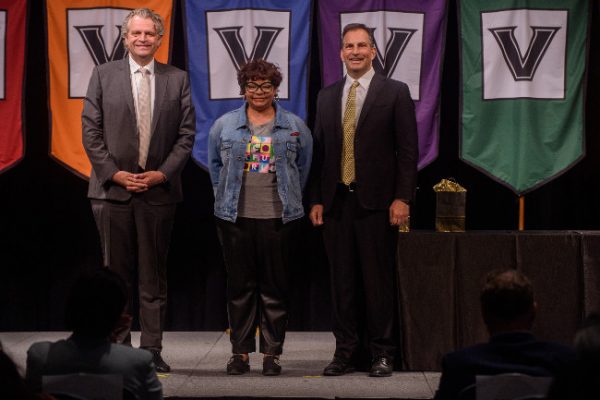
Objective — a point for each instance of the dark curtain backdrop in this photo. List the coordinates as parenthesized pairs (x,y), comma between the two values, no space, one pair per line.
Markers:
(48,236)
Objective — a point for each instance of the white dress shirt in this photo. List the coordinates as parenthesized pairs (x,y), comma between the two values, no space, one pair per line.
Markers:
(361,91)
(136,77)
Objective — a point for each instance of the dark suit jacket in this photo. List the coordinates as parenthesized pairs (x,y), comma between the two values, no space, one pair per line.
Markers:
(385,146)
(94,356)
(110,135)
(509,352)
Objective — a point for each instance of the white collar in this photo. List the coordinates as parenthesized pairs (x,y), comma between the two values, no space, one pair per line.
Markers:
(134,67)
(364,80)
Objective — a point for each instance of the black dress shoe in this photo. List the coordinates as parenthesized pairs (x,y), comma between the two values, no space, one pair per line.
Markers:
(271,366)
(159,364)
(382,366)
(338,366)
(237,365)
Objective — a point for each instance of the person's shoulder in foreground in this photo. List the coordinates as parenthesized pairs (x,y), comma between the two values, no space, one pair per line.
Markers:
(508,309)
(94,308)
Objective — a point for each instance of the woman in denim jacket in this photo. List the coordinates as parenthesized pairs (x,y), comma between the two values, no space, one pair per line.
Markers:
(259,158)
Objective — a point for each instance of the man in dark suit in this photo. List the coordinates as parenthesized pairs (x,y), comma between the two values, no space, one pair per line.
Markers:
(362,182)
(508,308)
(138,131)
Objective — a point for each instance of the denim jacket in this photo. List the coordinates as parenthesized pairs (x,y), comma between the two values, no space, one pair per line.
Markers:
(292,147)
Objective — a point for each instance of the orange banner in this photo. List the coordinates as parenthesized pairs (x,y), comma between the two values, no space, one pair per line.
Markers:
(82,34)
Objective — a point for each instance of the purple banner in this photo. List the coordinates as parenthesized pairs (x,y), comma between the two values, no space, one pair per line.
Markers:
(409,36)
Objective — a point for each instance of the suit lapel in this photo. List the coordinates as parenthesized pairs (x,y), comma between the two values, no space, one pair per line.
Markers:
(160,87)
(126,85)
(375,87)
(337,107)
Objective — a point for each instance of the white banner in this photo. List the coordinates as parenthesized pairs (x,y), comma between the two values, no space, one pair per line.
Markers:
(399,42)
(94,38)
(236,36)
(524,54)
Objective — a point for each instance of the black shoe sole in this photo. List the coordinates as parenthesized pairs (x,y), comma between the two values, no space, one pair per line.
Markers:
(237,372)
(340,373)
(271,373)
(380,375)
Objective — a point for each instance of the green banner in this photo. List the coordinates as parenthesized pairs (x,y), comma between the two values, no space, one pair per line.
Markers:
(522,103)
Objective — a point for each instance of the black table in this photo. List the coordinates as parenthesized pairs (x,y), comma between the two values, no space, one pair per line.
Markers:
(440,276)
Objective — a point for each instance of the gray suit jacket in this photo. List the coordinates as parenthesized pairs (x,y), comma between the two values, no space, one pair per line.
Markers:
(110,136)
(76,355)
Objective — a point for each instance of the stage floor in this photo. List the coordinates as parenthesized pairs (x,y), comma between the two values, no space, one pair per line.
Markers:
(198,363)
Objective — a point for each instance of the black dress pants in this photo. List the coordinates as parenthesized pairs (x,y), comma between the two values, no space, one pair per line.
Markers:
(360,246)
(135,233)
(256,254)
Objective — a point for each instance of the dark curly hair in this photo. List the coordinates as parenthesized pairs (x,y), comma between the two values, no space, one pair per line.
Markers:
(258,70)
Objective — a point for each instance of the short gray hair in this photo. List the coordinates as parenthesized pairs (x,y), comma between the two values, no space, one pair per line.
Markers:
(159,24)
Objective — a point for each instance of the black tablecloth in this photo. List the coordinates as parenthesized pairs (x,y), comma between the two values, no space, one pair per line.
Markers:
(440,276)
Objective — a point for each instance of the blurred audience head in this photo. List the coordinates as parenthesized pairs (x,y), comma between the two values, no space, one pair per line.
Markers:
(581,380)
(12,385)
(95,304)
(587,341)
(507,301)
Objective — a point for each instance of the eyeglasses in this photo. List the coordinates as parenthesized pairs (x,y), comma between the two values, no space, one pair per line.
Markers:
(266,87)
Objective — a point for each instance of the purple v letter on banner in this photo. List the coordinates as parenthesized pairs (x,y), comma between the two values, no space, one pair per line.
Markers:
(409,36)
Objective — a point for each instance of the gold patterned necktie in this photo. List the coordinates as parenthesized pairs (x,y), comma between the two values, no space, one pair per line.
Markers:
(349,123)
(144,118)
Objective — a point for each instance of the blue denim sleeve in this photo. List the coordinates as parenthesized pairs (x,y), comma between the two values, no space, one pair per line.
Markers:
(305,156)
(214,154)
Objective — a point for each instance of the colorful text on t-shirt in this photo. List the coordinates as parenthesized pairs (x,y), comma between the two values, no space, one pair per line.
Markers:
(259,155)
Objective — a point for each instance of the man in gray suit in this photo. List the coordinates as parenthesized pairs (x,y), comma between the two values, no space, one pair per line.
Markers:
(94,307)
(138,131)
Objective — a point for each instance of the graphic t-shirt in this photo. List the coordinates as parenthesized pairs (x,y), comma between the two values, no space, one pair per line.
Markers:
(258,195)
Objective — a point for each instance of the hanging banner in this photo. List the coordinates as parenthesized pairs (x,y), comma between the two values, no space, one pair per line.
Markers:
(81,35)
(522,101)
(222,35)
(409,37)
(12,63)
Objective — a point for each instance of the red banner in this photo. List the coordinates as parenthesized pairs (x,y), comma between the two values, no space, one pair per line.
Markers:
(12,62)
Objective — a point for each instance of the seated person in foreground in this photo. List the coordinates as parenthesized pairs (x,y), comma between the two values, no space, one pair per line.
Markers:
(94,309)
(581,382)
(12,385)
(508,309)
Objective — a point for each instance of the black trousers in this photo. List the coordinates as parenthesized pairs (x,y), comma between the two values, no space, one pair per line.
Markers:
(256,254)
(135,233)
(360,245)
